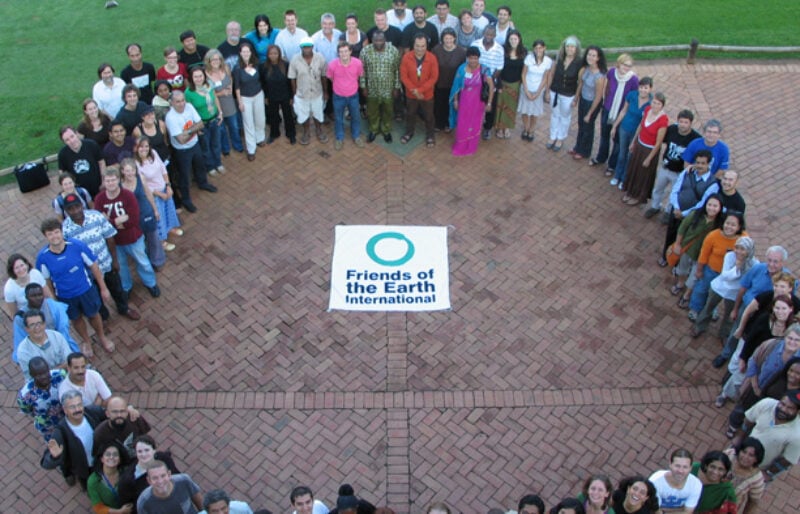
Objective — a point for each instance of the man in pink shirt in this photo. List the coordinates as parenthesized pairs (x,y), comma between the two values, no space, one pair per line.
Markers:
(344,73)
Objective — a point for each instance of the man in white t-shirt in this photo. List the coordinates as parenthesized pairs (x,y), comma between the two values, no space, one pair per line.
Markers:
(88,382)
(304,503)
(678,490)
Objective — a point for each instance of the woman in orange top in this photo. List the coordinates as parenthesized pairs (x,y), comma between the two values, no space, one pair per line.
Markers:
(709,264)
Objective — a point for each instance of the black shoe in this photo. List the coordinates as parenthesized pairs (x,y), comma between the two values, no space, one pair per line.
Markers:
(189,206)
(208,187)
(226,154)
(270,140)
(293,140)
(719,361)
(70,480)
(155,292)
(387,137)
(371,137)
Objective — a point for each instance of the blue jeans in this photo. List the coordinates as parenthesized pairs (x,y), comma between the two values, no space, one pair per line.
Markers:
(624,146)
(351,102)
(211,142)
(701,287)
(232,134)
(137,252)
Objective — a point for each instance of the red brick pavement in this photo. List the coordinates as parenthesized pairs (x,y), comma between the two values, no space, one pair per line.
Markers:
(563,354)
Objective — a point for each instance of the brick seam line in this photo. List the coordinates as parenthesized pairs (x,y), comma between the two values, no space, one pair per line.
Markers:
(398,460)
(397,333)
(405,399)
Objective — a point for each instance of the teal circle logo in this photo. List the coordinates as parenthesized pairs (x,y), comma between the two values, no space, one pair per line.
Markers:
(374,240)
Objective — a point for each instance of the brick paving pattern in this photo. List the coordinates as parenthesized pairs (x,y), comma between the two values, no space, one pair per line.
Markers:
(563,355)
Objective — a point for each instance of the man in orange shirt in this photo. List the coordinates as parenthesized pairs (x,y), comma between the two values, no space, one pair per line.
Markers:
(419,71)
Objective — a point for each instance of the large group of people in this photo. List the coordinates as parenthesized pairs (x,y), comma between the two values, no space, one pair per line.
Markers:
(127,171)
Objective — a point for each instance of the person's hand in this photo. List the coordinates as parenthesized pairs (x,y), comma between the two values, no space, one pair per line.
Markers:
(676,249)
(366,92)
(742,365)
(120,220)
(55,448)
(105,294)
(133,414)
(488,107)
(646,162)
(168,193)
(126,509)
(613,131)
(529,95)
(739,331)
(631,147)
(241,106)
(547,96)
(574,102)
(678,214)
(455,104)
(158,216)
(586,118)
(115,265)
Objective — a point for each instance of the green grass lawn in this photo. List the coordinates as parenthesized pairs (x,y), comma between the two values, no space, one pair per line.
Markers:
(52,49)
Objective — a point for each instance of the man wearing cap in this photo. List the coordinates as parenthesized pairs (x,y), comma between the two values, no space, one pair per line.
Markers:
(94,229)
(54,312)
(139,73)
(309,86)
(122,209)
(775,424)
(191,53)
(183,125)
(66,264)
(291,36)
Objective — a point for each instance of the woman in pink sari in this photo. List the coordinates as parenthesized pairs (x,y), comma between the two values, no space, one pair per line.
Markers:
(466,106)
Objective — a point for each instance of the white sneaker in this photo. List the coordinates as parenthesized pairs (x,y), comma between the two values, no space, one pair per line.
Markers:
(620,186)
(220,169)
(614,182)
(213,172)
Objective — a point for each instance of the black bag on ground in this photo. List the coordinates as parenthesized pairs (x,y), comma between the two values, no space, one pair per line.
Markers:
(32,175)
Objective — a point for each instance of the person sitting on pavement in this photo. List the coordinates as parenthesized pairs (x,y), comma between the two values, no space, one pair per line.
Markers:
(40,342)
(776,425)
(70,448)
(168,492)
(103,482)
(88,382)
(217,501)
(122,426)
(38,398)
(55,317)
(134,478)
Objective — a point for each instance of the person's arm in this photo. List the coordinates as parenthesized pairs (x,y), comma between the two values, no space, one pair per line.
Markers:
(751,309)
(197,499)
(577,95)
(778,466)
(737,303)
(622,113)
(599,88)
(149,194)
(657,147)
(98,277)
(635,137)
(10,308)
(489,80)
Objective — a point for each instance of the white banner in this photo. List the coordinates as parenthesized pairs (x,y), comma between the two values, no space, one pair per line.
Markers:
(390,268)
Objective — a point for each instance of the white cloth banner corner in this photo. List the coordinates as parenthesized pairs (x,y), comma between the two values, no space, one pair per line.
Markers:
(390,268)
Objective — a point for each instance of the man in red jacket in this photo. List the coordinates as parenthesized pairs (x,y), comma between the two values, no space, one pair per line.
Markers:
(419,71)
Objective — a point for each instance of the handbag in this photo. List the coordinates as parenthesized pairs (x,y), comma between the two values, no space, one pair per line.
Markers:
(674,257)
(484,91)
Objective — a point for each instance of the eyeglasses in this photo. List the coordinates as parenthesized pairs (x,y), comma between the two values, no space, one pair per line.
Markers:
(35,324)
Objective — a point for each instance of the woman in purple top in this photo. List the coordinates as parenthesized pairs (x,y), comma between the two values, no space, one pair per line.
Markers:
(621,81)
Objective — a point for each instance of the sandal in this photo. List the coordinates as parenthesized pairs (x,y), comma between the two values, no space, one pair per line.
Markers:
(406,138)
(631,201)
(593,162)
(524,136)
(499,134)
(731,432)
(86,349)
(430,142)
(676,289)
(683,303)
(506,133)
(557,147)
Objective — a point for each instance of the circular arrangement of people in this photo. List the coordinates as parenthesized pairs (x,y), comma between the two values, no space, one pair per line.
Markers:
(620,331)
